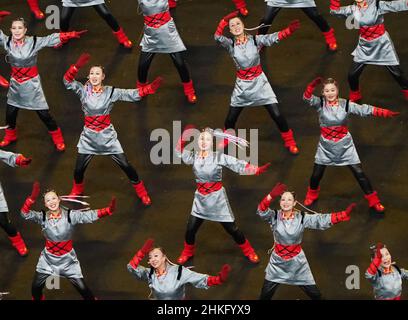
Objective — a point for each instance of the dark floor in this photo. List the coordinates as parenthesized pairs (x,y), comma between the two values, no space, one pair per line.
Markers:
(105,248)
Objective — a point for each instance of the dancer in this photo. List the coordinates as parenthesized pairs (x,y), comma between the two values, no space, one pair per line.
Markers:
(99,136)
(35,9)
(251,86)
(210,199)
(12,159)
(69,6)
(374,46)
(385,276)
(160,35)
(57,224)
(309,8)
(167,281)
(25,91)
(288,263)
(336,146)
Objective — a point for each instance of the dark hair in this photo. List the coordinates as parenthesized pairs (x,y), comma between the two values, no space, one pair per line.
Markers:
(48,191)
(98,66)
(159,248)
(293,193)
(330,81)
(20,20)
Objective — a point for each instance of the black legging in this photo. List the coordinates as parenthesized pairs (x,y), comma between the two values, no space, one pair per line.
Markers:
(102,9)
(356,169)
(44,115)
(357,68)
(269,289)
(179,61)
(79,284)
(273,109)
(194,223)
(83,161)
(312,13)
(6,225)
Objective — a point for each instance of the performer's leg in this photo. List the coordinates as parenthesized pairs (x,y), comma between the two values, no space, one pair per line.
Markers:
(38,286)
(82,288)
(181,65)
(354,80)
(11,132)
(66,15)
(145,59)
(35,9)
(268,290)
(313,190)
(53,129)
(14,236)
(193,224)
(232,117)
(6,225)
(312,291)
(81,164)
(270,14)
(400,77)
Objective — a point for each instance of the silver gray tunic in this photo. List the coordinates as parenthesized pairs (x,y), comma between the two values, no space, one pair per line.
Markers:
(379,51)
(164,39)
(81,3)
(296,270)
(57,230)
(28,94)
(215,205)
(10,159)
(342,152)
(103,142)
(291,3)
(167,287)
(389,285)
(256,92)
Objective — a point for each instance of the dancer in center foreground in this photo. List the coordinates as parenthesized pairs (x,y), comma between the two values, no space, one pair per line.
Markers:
(336,146)
(57,224)
(251,86)
(167,280)
(288,263)
(210,199)
(99,136)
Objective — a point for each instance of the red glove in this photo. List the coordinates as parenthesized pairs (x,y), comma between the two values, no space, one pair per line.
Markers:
(277,190)
(385,113)
(4,14)
(224,22)
(108,211)
(221,278)
(334,4)
(3,82)
(187,132)
(66,36)
(293,26)
(147,246)
(241,6)
(172,4)
(32,198)
(341,216)
(251,169)
(150,88)
(311,87)
(376,262)
(74,68)
(22,161)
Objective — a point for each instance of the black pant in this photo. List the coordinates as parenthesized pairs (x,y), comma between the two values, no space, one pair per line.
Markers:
(179,61)
(312,13)
(79,284)
(357,68)
(269,289)
(44,115)
(194,223)
(273,110)
(102,9)
(356,169)
(83,161)
(6,225)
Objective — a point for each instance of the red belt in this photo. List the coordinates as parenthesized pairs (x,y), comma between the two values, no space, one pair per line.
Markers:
(373,32)
(208,187)
(158,19)
(97,123)
(58,248)
(334,133)
(287,252)
(249,73)
(24,74)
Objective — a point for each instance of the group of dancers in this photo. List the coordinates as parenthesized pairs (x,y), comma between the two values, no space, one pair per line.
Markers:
(167,280)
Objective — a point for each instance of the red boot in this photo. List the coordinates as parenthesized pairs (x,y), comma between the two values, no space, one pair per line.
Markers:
(249,252)
(374,202)
(187,253)
(42,298)
(58,139)
(330,40)
(35,9)
(405,92)
(18,243)
(141,192)
(290,142)
(77,189)
(9,137)
(241,6)
(355,96)
(140,85)
(122,38)
(189,91)
(3,82)
(311,196)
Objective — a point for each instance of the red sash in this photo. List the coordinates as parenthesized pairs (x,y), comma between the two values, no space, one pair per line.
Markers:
(208,187)
(59,248)
(334,133)
(97,123)
(158,19)
(23,74)
(287,252)
(373,32)
(249,73)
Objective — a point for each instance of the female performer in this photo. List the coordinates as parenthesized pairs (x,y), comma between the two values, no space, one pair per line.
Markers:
(251,86)
(336,146)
